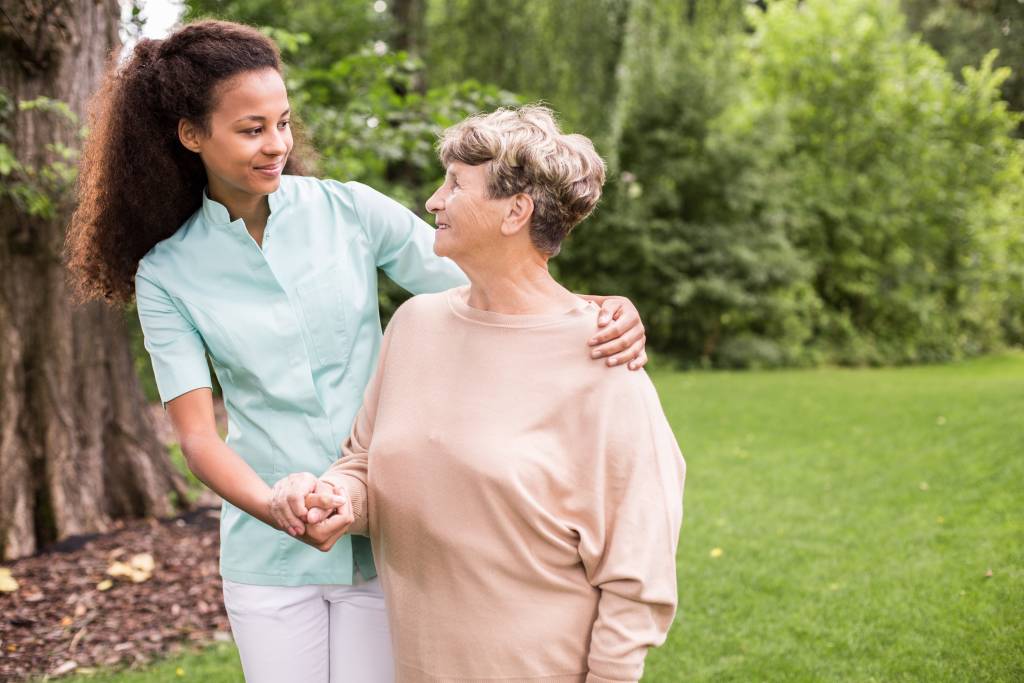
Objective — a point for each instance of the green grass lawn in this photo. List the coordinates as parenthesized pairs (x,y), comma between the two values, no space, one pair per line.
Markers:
(841,525)
(858,513)
(216,664)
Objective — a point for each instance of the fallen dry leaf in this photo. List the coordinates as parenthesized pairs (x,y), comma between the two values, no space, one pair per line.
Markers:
(119,569)
(104,585)
(138,569)
(8,584)
(143,562)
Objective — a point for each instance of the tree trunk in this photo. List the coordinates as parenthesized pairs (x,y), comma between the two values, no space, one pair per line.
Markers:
(77,448)
(408,16)
(409,22)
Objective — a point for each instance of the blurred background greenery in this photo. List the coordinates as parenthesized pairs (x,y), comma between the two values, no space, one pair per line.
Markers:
(792,183)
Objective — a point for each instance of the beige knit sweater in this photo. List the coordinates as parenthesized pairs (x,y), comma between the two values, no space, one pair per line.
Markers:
(524,501)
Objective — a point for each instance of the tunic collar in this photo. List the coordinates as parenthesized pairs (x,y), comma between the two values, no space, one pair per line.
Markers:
(215,213)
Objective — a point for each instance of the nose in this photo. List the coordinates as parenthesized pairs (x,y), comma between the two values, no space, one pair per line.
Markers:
(277,142)
(436,201)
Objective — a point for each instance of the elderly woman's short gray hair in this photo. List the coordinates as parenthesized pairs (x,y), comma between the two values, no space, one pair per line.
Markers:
(526,152)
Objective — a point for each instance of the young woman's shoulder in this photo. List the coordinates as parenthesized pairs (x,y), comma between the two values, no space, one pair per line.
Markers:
(170,251)
(353,196)
(296,187)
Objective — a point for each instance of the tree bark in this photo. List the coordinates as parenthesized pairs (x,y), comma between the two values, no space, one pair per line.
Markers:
(408,16)
(409,23)
(77,449)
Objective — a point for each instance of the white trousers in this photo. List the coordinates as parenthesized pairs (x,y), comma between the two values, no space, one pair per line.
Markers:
(311,634)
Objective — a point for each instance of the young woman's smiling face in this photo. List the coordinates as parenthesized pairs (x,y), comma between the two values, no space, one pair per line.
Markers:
(249,137)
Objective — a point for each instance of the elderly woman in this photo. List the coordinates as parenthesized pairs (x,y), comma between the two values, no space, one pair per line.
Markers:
(524,518)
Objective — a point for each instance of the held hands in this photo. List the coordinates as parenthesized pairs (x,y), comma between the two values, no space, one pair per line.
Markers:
(313,511)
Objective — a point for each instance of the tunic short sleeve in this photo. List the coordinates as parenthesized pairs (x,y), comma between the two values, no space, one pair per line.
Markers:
(174,345)
(403,244)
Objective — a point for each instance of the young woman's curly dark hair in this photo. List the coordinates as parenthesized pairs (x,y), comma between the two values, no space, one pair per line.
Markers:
(137,183)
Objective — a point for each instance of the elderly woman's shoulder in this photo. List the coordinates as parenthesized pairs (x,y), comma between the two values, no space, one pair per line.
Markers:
(619,391)
(595,374)
(419,306)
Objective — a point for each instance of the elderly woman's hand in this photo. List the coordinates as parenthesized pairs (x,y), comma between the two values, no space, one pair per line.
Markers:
(622,337)
(329,516)
(287,502)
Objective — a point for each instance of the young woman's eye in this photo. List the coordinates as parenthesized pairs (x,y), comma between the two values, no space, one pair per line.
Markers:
(253,132)
(283,124)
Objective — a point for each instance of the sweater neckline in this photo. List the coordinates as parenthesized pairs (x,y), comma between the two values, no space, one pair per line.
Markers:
(458,302)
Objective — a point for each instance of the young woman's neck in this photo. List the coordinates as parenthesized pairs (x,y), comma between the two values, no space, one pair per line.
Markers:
(252,209)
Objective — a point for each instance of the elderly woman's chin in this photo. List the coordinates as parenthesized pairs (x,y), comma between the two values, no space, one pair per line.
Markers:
(443,242)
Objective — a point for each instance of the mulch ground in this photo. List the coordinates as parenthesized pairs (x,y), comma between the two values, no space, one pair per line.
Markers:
(60,621)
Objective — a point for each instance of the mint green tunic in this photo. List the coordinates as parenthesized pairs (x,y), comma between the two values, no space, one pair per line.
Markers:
(293,332)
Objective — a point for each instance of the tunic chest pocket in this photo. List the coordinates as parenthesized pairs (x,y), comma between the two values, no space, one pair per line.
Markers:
(322,299)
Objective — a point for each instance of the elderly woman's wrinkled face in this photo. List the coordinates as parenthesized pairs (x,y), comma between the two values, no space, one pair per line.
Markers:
(468,221)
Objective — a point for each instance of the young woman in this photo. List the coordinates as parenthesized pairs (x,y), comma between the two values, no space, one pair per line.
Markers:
(192,198)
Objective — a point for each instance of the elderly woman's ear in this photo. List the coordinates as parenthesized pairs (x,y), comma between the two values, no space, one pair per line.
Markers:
(517,215)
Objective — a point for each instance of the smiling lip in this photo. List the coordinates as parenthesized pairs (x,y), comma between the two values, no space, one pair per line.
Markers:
(271,171)
(442,226)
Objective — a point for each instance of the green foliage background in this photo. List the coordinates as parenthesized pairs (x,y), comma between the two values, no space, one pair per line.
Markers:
(792,183)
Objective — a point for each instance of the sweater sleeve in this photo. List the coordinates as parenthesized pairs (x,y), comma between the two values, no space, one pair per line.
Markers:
(351,470)
(629,539)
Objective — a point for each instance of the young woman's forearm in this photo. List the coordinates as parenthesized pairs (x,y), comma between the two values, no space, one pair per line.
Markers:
(228,475)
